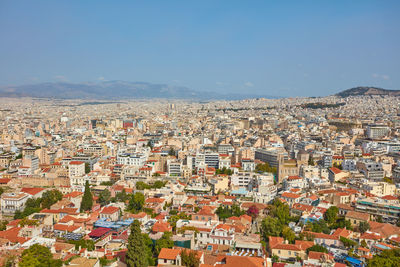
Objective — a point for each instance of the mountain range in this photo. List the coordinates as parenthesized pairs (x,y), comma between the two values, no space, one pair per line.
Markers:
(117,90)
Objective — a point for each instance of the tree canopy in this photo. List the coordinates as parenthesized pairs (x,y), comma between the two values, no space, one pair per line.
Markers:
(87,199)
(164,242)
(226,212)
(38,256)
(265,168)
(33,205)
(136,202)
(386,258)
(136,255)
(317,248)
(190,259)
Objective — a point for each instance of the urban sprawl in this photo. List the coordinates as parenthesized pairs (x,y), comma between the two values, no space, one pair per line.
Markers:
(258,182)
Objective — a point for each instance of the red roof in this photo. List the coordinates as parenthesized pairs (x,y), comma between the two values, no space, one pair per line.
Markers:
(335,170)
(32,191)
(98,232)
(290,195)
(4,180)
(155,200)
(76,162)
(73,194)
(169,253)
(161,227)
(109,210)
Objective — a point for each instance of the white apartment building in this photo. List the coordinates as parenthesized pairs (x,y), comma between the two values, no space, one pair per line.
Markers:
(76,169)
(375,131)
(132,159)
(174,168)
(243,179)
(12,202)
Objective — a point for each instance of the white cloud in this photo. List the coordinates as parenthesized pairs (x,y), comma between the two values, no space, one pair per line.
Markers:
(380,76)
(60,78)
(101,78)
(220,83)
(248,84)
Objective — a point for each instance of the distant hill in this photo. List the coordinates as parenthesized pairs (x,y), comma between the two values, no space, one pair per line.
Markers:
(115,90)
(364,91)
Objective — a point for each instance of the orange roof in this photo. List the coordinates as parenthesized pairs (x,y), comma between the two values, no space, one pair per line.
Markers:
(32,191)
(4,180)
(76,162)
(169,253)
(73,194)
(161,227)
(335,170)
(154,200)
(389,197)
(275,240)
(241,261)
(12,235)
(109,210)
(319,255)
(290,195)
(294,178)
(65,228)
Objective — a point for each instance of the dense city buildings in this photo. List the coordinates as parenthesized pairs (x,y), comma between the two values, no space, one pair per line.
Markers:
(298,181)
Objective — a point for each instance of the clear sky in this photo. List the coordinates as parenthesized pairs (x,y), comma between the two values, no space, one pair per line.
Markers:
(281,48)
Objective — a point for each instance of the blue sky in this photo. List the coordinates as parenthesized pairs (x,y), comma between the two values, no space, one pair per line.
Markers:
(281,48)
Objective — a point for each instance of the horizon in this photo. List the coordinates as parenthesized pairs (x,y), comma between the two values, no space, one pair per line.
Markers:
(264,48)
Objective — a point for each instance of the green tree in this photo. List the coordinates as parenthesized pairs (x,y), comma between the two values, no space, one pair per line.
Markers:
(271,227)
(174,218)
(39,256)
(265,168)
(3,225)
(274,258)
(158,184)
(87,199)
(122,196)
(386,258)
(281,211)
(149,247)
(49,198)
(190,259)
(331,215)
(104,197)
(288,234)
(348,242)
(364,244)
(226,212)
(342,223)
(83,243)
(319,227)
(136,202)
(171,152)
(363,227)
(317,248)
(164,242)
(87,168)
(136,255)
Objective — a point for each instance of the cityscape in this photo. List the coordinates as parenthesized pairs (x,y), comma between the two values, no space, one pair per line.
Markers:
(164,173)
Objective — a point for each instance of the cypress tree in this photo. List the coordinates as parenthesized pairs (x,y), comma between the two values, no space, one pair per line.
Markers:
(136,254)
(87,199)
